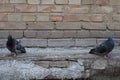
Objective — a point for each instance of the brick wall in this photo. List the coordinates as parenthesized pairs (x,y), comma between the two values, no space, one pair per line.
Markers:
(51,19)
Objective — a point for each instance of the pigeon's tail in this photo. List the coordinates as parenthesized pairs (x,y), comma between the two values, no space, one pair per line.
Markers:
(23,50)
(10,38)
(92,51)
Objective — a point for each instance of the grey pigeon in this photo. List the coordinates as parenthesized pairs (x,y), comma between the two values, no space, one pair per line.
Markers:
(14,46)
(104,48)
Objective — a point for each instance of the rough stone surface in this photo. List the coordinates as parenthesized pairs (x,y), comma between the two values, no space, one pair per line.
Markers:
(99,64)
(61,42)
(85,42)
(34,42)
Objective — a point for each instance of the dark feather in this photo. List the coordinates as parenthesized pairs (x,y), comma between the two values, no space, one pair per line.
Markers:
(14,46)
(104,48)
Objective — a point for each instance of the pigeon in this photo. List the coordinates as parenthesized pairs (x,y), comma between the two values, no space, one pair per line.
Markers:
(14,46)
(104,48)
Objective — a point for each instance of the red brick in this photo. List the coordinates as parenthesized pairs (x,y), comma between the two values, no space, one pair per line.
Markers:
(117,9)
(70,34)
(56,34)
(108,18)
(47,1)
(4,1)
(71,17)
(3,16)
(84,17)
(56,18)
(50,8)
(100,34)
(101,2)
(40,25)
(76,17)
(83,34)
(14,17)
(16,33)
(12,25)
(4,34)
(28,17)
(97,17)
(43,34)
(94,26)
(113,26)
(102,9)
(61,1)
(17,1)
(30,34)
(114,2)
(25,8)
(34,1)
(87,1)
(76,9)
(68,25)
(117,34)
(75,2)
(116,18)
(43,17)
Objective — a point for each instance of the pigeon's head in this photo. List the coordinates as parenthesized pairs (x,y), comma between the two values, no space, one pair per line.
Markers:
(110,39)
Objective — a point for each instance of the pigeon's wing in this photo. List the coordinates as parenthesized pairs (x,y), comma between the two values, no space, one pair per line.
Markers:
(19,48)
(101,48)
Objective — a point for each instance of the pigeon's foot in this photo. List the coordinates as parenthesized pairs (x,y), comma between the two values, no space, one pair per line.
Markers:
(11,55)
(106,56)
(14,55)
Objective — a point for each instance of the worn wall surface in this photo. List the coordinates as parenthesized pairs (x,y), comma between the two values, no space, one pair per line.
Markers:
(48,20)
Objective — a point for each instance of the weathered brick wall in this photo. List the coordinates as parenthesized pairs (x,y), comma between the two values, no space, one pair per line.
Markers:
(51,19)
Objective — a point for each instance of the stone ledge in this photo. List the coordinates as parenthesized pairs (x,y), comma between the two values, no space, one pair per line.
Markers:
(62,63)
